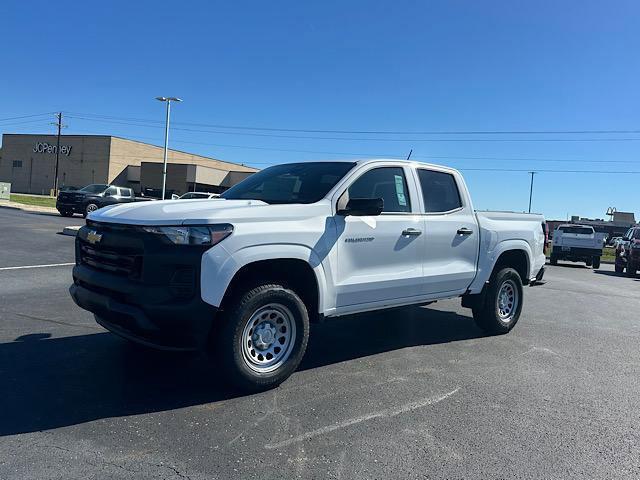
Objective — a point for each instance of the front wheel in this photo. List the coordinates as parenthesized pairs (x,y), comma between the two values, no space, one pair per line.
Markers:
(262,337)
(91,207)
(619,268)
(631,270)
(502,303)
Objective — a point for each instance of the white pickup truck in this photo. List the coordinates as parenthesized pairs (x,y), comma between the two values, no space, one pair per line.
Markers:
(242,276)
(577,243)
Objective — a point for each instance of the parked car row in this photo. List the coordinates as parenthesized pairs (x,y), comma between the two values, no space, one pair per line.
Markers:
(92,197)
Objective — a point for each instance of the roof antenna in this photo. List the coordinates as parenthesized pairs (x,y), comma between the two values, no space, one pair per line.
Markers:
(410,152)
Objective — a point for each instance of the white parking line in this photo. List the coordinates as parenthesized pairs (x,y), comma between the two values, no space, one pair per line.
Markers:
(38,266)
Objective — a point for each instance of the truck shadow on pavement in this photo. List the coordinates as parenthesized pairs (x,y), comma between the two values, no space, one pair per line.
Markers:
(56,382)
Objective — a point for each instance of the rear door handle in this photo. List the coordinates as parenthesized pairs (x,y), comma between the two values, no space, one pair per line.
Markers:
(414,232)
(464,231)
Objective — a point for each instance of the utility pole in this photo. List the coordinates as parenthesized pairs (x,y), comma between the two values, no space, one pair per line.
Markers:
(55,175)
(531,190)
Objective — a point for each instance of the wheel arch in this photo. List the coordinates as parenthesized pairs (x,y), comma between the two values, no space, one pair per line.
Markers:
(297,266)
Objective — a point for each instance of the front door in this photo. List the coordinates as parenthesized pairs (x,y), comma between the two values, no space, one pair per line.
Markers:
(378,257)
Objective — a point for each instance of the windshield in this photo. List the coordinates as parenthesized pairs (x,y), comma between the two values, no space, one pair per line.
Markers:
(96,188)
(634,234)
(186,196)
(290,183)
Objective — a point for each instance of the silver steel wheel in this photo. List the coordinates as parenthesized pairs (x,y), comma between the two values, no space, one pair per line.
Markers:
(92,207)
(268,338)
(507,301)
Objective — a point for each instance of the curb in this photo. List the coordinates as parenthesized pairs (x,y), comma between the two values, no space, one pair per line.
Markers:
(72,231)
(30,208)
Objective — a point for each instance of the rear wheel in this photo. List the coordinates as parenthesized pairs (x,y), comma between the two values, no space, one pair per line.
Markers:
(596,262)
(502,303)
(262,337)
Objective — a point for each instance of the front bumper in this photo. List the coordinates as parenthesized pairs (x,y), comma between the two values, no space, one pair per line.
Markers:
(69,207)
(141,289)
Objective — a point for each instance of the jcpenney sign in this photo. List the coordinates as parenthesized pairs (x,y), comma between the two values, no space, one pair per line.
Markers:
(44,147)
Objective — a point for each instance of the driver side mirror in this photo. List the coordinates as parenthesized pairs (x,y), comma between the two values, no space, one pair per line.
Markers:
(362,207)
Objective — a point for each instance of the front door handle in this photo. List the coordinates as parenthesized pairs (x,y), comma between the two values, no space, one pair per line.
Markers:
(464,231)
(413,232)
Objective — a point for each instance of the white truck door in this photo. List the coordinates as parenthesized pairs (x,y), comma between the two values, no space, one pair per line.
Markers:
(378,257)
(451,233)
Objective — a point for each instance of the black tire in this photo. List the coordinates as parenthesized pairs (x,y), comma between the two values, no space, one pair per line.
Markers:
(619,268)
(589,262)
(240,365)
(553,260)
(631,270)
(487,316)
(90,207)
(65,213)
(596,262)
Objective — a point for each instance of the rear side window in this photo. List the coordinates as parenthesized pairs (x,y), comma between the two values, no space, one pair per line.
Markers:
(439,191)
(388,183)
(125,192)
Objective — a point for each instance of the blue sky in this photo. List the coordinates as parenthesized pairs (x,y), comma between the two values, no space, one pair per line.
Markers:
(408,66)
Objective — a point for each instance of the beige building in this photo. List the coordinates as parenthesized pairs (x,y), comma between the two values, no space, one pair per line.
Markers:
(28,163)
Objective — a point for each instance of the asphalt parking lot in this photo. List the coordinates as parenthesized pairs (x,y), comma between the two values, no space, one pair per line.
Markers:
(410,393)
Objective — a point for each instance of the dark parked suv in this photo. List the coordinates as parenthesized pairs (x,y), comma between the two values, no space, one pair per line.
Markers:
(91,198)
(628,252)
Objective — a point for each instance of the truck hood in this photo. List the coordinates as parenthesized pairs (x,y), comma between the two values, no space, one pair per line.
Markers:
(203,212)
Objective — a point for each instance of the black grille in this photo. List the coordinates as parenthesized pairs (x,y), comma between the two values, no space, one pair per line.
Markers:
(110,261)
(118,251)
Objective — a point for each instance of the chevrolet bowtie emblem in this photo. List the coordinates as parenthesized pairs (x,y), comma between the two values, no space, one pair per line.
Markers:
(93,237)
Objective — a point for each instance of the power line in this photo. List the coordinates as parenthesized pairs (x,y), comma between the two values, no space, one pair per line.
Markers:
(360,139)
(376,132)
(384,155)
(26,116)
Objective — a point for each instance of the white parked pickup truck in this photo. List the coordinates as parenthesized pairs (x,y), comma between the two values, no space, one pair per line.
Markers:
(243,275)
(577,243)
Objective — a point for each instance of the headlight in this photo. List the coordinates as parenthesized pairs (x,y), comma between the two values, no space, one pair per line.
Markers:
(196,235)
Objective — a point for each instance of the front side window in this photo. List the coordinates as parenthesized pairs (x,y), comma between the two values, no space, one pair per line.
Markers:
(387,183)
(439,191)
(290,183)
(111,191)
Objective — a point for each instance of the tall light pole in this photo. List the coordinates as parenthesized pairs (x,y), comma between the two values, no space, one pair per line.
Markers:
(168,100)
(531,190)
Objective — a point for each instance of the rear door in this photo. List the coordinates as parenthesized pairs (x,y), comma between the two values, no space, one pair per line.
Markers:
(378,257)
(451,232)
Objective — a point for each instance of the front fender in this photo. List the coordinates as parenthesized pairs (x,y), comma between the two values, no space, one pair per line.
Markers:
(218,267)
